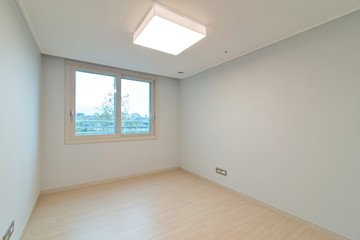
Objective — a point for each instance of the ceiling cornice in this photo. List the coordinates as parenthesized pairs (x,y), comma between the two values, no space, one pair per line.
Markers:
(30,25)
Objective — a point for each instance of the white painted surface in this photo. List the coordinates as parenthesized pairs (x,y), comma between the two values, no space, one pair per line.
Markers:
(66,165)
(284,121)
(102,31)
(19,124)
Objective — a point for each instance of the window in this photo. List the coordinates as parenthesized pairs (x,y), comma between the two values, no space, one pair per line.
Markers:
(106,104)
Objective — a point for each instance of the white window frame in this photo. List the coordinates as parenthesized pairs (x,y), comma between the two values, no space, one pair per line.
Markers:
(71,67)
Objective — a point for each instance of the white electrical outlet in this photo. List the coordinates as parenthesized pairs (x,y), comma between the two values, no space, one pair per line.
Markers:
(221,171)
(9,231)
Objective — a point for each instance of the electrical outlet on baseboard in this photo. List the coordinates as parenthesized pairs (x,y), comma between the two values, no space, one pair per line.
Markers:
(9,231)
(221,171)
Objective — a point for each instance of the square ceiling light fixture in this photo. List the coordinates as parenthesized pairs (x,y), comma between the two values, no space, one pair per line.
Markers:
(169,32)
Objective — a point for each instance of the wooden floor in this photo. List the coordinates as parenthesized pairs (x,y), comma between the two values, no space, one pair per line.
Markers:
(172,205)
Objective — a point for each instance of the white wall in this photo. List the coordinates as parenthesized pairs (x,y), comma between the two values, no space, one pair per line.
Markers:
(285,122)
(66,165)
(19,114)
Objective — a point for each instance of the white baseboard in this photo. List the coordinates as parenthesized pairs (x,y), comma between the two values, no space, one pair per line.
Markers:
(28,219)
(76,186)
(280,211)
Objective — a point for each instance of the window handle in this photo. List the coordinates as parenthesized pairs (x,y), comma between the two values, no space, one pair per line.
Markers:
(72,115)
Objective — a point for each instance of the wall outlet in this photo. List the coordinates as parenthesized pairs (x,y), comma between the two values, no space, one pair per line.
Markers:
(9,231)
(221,171)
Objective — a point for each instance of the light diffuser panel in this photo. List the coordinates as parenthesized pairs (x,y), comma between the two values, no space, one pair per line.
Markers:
(166,31)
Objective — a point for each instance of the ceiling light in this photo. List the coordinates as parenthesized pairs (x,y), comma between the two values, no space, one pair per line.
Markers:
(169,32)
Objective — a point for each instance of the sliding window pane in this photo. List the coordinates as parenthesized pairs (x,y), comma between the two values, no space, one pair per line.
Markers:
(135,107)
(95,104)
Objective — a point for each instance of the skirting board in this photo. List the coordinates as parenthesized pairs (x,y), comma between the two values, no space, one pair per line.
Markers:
(77,186)
(28,219)
(266,205)
(313,225)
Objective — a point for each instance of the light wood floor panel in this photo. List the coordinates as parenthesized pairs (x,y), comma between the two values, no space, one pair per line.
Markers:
(166,206)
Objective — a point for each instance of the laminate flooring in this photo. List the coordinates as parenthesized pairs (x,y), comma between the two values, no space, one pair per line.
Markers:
(172,205)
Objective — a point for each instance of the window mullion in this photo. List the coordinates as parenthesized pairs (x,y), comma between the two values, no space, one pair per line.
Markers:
(70,111)
(118,104)
(152,106)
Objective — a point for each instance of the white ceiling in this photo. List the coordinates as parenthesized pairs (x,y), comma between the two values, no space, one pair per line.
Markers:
(101,31)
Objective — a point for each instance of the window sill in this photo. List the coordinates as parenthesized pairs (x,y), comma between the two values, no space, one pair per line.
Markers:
(108,139)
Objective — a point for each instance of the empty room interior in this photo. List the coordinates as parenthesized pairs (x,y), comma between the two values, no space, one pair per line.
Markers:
(234,119)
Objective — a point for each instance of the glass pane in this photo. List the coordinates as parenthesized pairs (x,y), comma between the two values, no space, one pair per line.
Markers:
(95,104)
(135,107)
